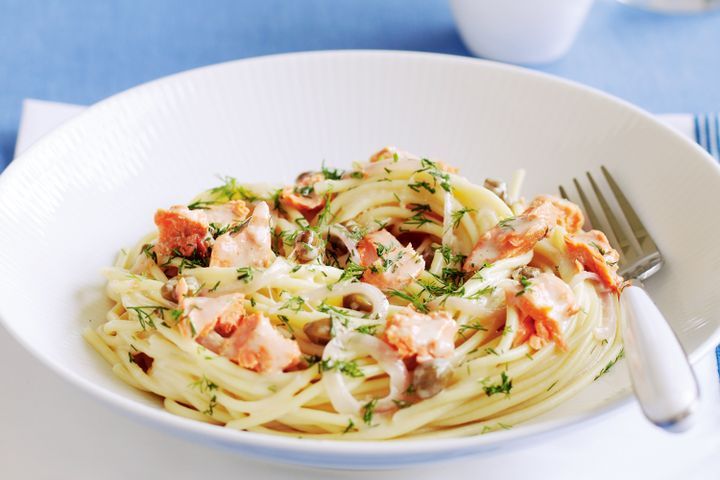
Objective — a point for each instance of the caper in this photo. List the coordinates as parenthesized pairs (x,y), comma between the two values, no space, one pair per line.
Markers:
(319,331)
(357,302)
(169,289)
(497,187)
(431,377)
(526,271)
(305,177)
(171,271)
(306,246)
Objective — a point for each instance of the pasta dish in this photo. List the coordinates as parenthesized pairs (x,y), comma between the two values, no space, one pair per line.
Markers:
(393,300)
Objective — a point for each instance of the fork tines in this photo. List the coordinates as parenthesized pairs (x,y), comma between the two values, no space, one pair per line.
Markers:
(638,260)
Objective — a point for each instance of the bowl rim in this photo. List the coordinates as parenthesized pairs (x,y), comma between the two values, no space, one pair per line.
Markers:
(348,449)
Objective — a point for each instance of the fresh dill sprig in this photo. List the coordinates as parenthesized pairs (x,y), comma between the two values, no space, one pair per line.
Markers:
(504,386)
(610,364)
(457,216)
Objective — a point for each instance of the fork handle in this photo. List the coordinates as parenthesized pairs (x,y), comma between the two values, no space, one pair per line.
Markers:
(664,383)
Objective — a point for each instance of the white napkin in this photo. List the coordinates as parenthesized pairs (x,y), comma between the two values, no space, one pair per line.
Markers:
(86,439)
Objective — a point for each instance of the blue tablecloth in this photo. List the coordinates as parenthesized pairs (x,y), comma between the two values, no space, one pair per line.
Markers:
(83,50)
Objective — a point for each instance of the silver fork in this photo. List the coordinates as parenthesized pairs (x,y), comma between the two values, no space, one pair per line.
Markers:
(663,381)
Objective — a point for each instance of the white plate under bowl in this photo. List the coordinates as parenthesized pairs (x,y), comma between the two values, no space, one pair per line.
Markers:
(91,187)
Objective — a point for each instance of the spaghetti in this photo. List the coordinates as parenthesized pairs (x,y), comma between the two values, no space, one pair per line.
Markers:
(393,300)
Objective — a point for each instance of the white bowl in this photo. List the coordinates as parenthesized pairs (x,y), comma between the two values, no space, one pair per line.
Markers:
(520,31)
(91,187)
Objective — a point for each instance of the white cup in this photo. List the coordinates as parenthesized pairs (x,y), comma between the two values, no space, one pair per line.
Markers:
(520,31)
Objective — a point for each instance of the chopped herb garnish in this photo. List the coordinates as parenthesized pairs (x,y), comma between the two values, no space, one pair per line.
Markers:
(149,251)
(482,292)
(215,287)
(201,204)
(458,215)
(144,314)
(414,299)
(504,386)
(245,274)
(599,248)
(439,176)
(211,405)
(294,304)
(416,186)
(323,217)
(275,200)
(331,173)
(418,219)
(420,207)
(367,329)
(286,321)
(369,410)
(610,364)
(526,284)
(352,272)
(176,314)
(232,190)
(476,325)
(351,368)
(304,190)
(350,426)
(507,223)
(204,385)
(449,256)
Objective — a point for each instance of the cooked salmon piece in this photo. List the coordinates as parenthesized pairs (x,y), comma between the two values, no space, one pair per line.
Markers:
(221,325)
(388,264)
(557,212)
(545,303)
(259,346)
(228,213)
(386,153)
(302,195)
(421,336)
(250,247)
(202,315)
(390,155)
(593,252)
(510,238)
(181,230)
(518,235)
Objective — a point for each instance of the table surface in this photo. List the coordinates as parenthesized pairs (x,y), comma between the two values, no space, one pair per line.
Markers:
(80,51)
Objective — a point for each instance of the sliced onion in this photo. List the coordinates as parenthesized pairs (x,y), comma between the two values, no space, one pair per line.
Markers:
(608,323)
(378,300)
(350,346)
(277,269)
(581,277)
(480,308)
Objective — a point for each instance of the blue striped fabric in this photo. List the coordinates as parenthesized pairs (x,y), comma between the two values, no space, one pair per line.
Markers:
(707,134)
